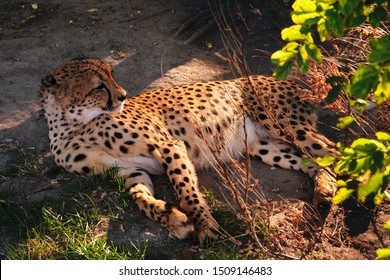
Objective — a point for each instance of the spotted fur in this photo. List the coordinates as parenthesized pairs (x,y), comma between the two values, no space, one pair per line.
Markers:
(174,130)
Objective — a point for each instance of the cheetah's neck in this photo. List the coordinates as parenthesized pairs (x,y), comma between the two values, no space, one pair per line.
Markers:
(59,126)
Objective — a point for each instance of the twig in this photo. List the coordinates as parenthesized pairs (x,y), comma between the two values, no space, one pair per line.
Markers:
(199,16)
(200,32)
(147,16)
(375,228)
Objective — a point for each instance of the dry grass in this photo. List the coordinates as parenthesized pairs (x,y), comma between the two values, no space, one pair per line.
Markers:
(266,236)
(289,229)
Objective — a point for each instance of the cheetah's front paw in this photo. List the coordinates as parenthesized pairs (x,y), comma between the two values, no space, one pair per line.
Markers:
(207,228)
(178,223)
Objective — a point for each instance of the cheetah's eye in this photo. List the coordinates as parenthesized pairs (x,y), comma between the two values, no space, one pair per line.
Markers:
(101,86)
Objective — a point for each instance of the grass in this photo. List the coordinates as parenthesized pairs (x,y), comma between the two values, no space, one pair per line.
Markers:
(76,223)
(83,218)
(73,224)
(74,228)
(76,235)
(80,229)
(47,213)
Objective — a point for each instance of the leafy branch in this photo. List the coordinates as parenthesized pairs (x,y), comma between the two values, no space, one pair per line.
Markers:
(366,162)
(330,18)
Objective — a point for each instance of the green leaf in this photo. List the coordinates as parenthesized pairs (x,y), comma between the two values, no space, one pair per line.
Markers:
(356,166)
(377,163)
(306,18)
(334,22)
(382,92)
(325,161)
(341,166)
(281,57)
(342,195)
(383,254)
(377,16)
(291,47)
(282,71)
(314,52)
(340,146)
(372,186)
(364,81)
(387,225)
(382,136)
(358,16)
(348,152)
(380,49)
(357,20)
(295,33)
(303,60)
(284,63)
(359,104)
(323,30)
(379,197)
(345,121)
(367,145)
(336,80)
(340,183)
(305,12)
(337,83)
(333,94)
(347,6)
(308,161)
(327,1)
(304,6)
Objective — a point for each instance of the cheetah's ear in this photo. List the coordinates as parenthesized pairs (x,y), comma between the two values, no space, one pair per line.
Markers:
(80,57)
(48,81)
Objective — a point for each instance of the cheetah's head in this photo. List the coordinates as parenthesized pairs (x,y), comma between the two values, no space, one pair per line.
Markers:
(83,89)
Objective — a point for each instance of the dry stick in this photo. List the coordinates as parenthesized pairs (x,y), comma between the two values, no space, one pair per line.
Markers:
(224,173)
(240,47)
(375,228)
(233,62)
(161,63)
(247,159)
(253,87)
(226,42)
(146,16)
(328,62)
(232,58)
(200,32)
(274,22)
(220,169)
(199,16)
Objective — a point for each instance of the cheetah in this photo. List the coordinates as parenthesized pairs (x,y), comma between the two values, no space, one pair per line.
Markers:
(92,126)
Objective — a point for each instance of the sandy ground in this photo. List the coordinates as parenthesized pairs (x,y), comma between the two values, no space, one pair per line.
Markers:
(136,37)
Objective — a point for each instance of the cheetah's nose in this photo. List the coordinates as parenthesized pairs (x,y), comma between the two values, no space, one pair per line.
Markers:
(122,97)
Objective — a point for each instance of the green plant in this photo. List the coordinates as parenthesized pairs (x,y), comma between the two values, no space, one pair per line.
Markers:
(78,235)
(366,162)
(384,253)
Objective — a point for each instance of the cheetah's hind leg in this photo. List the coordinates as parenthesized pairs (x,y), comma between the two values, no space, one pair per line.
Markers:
(279,154)
(140,187)
(325,188)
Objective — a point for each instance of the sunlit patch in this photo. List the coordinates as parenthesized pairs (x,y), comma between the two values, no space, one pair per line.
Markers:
(118,57)
(91,114)
(115,110)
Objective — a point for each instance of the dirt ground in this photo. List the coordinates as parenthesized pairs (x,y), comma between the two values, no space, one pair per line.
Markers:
(149,45)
